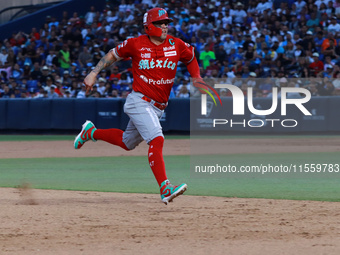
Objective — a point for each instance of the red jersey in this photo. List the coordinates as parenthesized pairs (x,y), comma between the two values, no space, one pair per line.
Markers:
(154,66)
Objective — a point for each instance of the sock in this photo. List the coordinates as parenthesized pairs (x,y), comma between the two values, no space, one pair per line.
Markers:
(112,135)
(156,160)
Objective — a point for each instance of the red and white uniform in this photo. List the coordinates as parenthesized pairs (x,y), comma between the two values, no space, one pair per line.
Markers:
(154,66)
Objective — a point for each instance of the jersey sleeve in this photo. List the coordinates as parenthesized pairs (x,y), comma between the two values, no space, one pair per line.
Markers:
(125,49)
(187,52)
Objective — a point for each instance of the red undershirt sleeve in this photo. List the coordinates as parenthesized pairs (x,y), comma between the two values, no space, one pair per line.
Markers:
(194,69)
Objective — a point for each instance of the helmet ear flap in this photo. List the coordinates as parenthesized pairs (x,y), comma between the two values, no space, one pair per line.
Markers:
(151,30)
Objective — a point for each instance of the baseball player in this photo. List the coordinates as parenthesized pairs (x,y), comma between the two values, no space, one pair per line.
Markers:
(154,62)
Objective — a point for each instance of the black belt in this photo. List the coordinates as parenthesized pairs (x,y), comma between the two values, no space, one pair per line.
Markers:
(153,102)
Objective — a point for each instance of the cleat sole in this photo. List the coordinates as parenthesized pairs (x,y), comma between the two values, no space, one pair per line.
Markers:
(176,195)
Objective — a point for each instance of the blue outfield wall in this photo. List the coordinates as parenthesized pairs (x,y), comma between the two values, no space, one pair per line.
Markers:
(67,114)
(70,114)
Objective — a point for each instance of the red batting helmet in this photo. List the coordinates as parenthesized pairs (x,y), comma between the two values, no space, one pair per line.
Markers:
(153,15)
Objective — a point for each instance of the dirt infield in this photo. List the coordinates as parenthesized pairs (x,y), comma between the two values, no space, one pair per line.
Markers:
(70,222)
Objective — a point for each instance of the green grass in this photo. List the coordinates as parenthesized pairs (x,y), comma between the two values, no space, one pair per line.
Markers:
(295,185)
(132,174)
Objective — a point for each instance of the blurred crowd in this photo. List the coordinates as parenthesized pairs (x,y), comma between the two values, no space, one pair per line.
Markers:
(256,43)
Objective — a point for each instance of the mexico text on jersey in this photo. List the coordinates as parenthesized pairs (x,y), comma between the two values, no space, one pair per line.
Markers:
(154,66)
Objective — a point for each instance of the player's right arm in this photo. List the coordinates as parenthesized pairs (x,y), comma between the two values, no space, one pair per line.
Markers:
(104,62)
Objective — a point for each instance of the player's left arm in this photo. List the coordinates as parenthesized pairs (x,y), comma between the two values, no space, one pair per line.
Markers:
(191,63)
(194,70)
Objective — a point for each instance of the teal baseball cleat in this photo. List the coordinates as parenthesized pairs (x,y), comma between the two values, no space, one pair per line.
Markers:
(169,191)
(85,134)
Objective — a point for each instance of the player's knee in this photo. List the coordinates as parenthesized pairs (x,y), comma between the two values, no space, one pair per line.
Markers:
(125,147)
(132,143)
